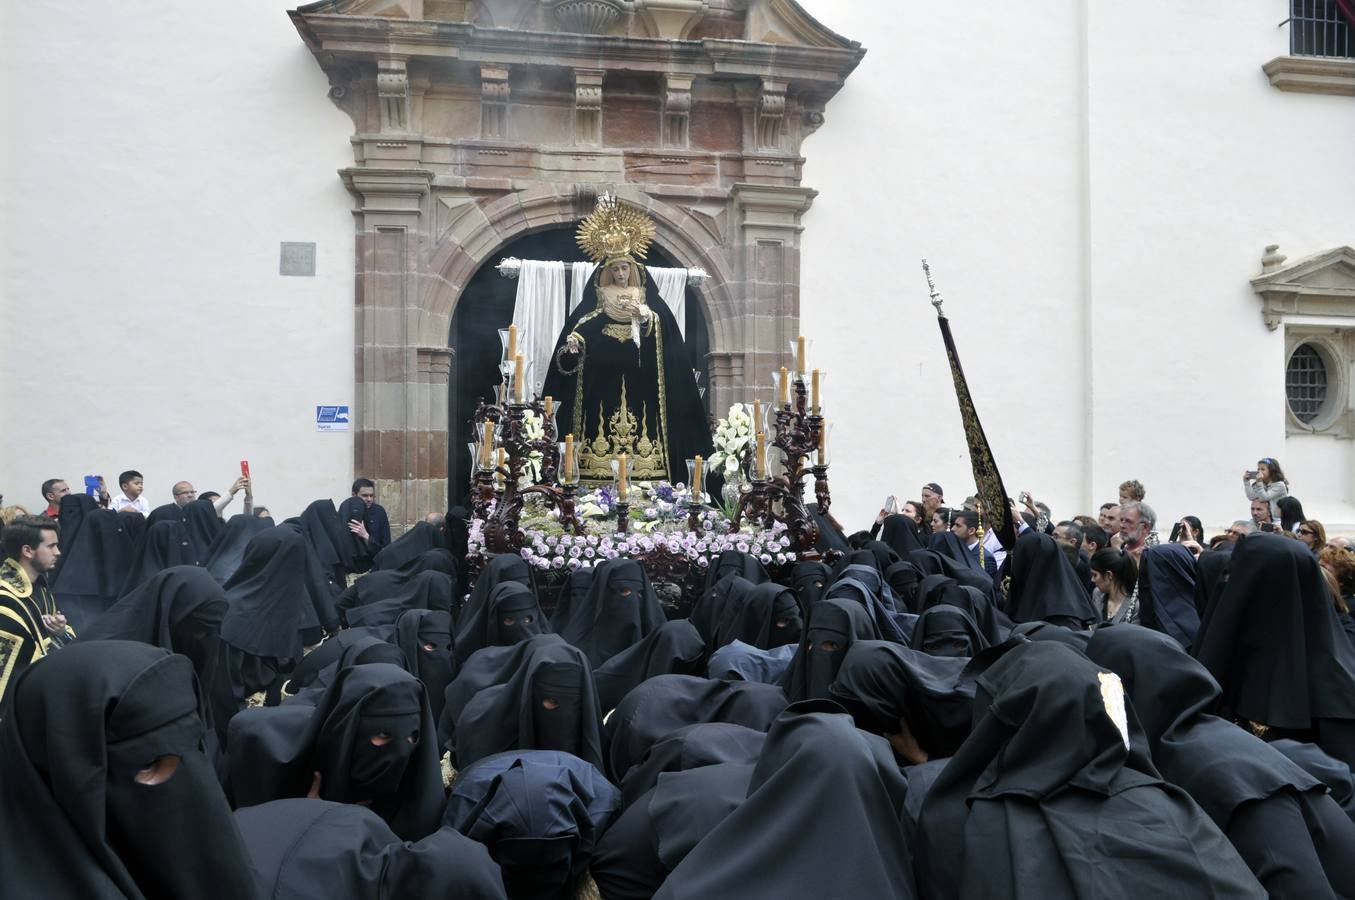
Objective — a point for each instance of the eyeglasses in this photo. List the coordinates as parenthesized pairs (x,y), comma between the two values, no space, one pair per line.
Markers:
(1308,531)
(185,493)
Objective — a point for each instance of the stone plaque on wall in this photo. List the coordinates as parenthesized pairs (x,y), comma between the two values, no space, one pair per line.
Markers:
(298,258)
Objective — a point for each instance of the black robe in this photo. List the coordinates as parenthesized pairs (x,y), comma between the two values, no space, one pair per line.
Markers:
(666,415)
(1167,592)
(692,747)
(540,812)
(665,703)
(77,825)
(424,636)
(316,848)
(228,548)
(163,545)
(1044,585)
(812,669)
(94,566)
(619,609)
(821,819)
(1276,648)
(674,648)
(1053,795)
(485,626)
(1226,769)
(275,752)
(495,703)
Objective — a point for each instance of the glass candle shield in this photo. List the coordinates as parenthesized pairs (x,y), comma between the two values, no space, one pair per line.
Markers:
(568,470)
(818,382)
(621,479)
(801,360)
(823,456)
(697,497)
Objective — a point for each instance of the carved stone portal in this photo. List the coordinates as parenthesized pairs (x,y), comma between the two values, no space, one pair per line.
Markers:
(479,121)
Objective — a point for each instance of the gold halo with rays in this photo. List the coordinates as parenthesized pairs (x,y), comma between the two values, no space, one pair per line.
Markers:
(615,229)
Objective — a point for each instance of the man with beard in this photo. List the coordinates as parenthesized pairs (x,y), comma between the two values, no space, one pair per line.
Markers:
(30,624)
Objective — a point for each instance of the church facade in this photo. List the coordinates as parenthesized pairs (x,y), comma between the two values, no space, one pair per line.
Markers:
(1140,219)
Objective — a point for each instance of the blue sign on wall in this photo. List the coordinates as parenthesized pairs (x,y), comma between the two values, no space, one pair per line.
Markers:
(331,418)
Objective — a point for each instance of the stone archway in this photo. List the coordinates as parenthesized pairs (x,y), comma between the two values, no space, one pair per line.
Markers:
(478,122)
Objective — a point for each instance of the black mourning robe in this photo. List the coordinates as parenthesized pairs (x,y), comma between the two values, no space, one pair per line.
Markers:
(540,813)
(274,752)
(812,669)
(821,819)
(1226,769)
(228,548)
(1053,795)
(164,544)
(1277,650)
(619,609)
(1167,592)
(94,566)
(77,825)
(1044,585)
(317,848)
(665,703)
(692,747)
(674,648)
(643,403)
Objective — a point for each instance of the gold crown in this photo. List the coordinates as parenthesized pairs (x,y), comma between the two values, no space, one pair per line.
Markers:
(614,230)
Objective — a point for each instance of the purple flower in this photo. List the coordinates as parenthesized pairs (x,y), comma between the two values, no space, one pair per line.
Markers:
(526,554)
(703,562)
(743,546)
(574,564)
(589,552)
(766,558)
(557,562)
(651,513)
(574,552)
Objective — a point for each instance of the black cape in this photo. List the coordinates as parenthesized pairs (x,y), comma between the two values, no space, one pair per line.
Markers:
(665,703)
(82,724)
(821,819)
(274,752)
(228,548)
(316,848)
(840,621)
(619,609)
(163,545)
(540,813)
(692,747)
(486,624)
(1167,592)
(674,648)
(1044,585)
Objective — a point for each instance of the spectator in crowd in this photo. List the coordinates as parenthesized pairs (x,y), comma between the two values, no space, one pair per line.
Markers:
(1291,514)
(262,512)
(1094,539)
(185,493)
(132,484)
(1109,517)
(376,524)
(1340,542)
(1266,482)
(1313,535)
(53,489)
(1136,523)
(1115,576)
(941,519)
(933,498)
(1260,515)
(966,528)
(1238,530)
(1132,491)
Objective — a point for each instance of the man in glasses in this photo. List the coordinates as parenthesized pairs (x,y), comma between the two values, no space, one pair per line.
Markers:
(185,493)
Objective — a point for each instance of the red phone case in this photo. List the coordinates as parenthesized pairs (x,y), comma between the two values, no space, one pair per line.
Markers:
(244,467)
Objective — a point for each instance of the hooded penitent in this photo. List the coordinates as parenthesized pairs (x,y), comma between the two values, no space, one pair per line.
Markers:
(415,542)
(662,705)
(534,695)
(832,627)
(94,566)
(765,616)
(945,630)
(384,602)
(1276,648)
(424,637)
(1228,770)
(540,813)
(304,849)
(270,618)
(821,819)
(1053,795)
(692,747)
(162,545)
(619,609)
(1167,592)
(369,738)
(674,648)
(510,614)
(228,548)
(1045,586)
(86,758)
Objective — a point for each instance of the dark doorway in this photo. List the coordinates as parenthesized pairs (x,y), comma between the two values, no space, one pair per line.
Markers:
(486,305)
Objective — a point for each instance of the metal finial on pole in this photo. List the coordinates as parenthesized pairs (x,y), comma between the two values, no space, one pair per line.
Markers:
(937,299)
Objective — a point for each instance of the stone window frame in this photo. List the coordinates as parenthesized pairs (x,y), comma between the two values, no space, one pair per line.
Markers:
(1312,74)
(1314,299)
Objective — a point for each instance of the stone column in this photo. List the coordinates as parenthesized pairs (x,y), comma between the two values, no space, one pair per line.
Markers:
(400,389)
(766,253)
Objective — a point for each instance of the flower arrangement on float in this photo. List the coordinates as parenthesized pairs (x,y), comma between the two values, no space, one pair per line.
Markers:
(733,440)
(662,526)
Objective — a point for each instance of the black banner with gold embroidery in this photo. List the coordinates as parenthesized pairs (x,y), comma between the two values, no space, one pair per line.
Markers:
(997,511)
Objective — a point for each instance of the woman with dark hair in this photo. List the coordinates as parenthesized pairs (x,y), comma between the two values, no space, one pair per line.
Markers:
(1291,514)
(942,519)
(1313,534)
(1187,528)
(1114,575)
(1266,482)
(914,510)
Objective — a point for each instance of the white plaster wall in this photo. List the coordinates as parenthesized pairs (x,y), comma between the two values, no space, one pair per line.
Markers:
(1094,185)
(154,157)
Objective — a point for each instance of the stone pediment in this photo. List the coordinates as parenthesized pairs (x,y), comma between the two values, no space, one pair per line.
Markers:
(779,22)
(1319,285)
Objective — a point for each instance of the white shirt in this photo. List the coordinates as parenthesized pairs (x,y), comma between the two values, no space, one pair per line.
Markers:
(993,547)
(140,504)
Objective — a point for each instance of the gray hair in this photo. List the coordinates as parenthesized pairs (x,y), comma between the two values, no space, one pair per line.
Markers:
(1146,514)
(1248,524)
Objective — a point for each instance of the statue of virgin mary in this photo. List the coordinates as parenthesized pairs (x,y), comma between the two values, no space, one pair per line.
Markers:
(621,375)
